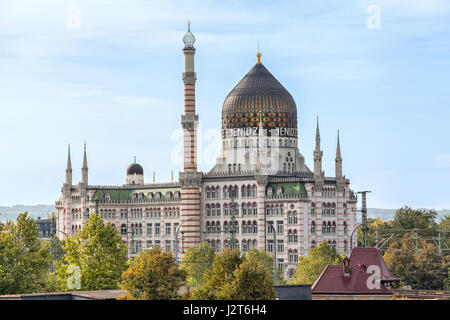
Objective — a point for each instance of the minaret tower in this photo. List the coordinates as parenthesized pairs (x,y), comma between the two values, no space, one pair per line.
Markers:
(190,178)
(84,170)
(318,173)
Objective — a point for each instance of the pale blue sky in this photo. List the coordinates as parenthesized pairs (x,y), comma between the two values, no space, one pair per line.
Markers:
(116,82)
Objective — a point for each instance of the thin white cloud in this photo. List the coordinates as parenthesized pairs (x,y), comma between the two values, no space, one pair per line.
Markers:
(442,160)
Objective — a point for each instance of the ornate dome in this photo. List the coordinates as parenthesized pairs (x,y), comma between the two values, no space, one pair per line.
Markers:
(259,91)
(135,168)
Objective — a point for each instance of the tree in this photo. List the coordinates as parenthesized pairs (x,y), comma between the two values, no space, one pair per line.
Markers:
(97,252)
(196,262)
(222,272)
(153,276)
(408,218)
(24,259)
(252,281)
(417,264)
(309,268)
(237,277)
(262,257)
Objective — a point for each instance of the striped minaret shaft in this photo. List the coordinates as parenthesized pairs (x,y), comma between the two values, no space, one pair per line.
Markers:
(190,179)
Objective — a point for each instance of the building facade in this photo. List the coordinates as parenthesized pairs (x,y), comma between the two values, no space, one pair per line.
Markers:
(259,190)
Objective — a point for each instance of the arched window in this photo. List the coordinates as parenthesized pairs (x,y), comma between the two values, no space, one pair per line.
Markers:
(244,209)
(324,208)
(313,208)
(345,227)
(313,227)
(244,191)
(313,244)
(345,209)
(333,209)
(328,209)
(324,227)
(255,227)
(208,210)
(218,213)
(208,193)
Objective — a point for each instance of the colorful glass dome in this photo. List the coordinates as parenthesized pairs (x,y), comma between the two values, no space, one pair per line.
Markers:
(259,92)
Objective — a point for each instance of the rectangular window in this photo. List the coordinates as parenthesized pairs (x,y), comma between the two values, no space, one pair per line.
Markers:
(158,243)
(157,229)
(280,263)
(149,244)
(149,229)
(280,228)
(270,245)
(168,245)
(168,228)
(280,246)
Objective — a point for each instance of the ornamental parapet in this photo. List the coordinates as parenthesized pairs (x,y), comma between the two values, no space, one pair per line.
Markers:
(143,201)
(287,197)
(136,186)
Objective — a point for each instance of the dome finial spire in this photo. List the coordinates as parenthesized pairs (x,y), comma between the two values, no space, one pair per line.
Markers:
(258,55)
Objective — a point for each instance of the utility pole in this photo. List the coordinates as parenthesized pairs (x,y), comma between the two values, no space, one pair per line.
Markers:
(177,231)
(364,227)
(275,244)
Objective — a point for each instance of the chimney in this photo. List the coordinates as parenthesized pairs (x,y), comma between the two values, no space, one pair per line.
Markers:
(346,267)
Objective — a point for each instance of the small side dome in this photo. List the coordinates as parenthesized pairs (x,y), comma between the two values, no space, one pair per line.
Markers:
(135,168)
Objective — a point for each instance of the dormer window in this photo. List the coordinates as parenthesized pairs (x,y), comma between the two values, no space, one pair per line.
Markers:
(279,191)
(107,197)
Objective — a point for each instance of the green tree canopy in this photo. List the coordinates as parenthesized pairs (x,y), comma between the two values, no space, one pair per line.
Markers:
(309,268)
(153,276)
(238,277)
(417,264)
(408,218)
(196,262)
(98,252)
(24,259)
(252,281)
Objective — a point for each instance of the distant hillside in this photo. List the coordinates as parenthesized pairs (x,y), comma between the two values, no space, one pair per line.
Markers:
(40,210)
(388,214)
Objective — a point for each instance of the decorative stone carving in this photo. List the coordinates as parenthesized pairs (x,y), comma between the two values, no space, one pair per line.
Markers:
(191,179)
(189,121)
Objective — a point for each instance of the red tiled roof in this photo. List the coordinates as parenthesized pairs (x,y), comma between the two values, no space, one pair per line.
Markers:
(333,280)
(371,256)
